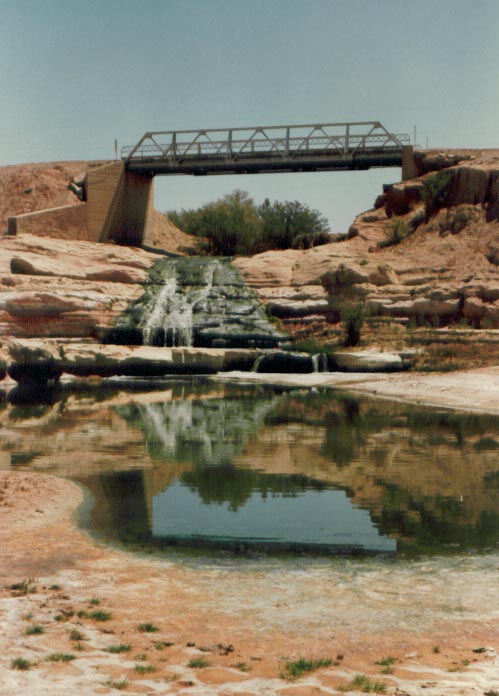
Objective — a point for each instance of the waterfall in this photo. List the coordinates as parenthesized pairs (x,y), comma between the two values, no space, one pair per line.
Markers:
(168,320)
(320,362)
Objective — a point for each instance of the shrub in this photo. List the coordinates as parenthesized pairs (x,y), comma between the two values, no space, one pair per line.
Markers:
(147,628)
(308,240)
(436,193)
(396,231)
(76,635)
(24,587)
(353,317)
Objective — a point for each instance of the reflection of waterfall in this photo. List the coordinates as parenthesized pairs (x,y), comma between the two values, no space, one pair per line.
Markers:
(168,320)
(209,432)
(169,429)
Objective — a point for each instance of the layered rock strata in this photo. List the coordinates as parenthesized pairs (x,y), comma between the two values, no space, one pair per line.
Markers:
(427,254)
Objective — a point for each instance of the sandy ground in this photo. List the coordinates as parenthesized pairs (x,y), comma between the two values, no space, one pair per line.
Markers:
(244,617)
(467,390)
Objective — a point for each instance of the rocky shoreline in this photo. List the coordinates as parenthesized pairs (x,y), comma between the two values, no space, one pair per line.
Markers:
(217,630)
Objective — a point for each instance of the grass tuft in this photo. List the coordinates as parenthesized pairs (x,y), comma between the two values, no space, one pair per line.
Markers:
(145,669)
(21,663)
(100,615)
(76,635)
(147,628)
(121,648)
(198,663)
(117,683)
(296,668)
(61,657)
(34,630)
(363,683)
(242,667)
(387,664)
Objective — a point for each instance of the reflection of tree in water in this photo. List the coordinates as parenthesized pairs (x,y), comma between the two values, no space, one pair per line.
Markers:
(347,421)
(459,426)
(426,521)
(233,485)
(427,528)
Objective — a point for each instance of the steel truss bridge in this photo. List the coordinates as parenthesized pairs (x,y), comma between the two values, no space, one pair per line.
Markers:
(301,148)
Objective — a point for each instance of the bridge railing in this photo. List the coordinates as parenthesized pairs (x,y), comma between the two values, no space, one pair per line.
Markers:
(336,139)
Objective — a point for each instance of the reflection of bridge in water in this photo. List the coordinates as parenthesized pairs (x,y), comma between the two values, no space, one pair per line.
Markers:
(120,197)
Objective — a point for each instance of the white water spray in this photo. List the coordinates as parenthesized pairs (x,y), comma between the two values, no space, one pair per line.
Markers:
(172,309)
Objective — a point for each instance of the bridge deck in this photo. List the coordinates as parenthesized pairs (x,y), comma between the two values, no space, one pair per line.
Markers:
(322,147)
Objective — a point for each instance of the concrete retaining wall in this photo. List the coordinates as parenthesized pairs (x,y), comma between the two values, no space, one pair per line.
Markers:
(67,222)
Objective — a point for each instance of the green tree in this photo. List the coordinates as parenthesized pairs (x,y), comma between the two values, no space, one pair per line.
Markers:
(233,224)
(229,225)
(284,223)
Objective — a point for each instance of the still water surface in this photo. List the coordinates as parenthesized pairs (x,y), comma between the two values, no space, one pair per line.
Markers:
(251,468)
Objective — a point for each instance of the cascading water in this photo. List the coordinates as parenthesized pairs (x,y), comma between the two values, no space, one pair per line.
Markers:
(170,316)
(200,302)
(170,319)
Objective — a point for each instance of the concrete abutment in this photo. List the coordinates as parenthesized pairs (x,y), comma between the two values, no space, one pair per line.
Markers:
(120,206)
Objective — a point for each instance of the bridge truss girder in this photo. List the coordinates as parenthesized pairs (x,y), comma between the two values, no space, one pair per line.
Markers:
(355,145)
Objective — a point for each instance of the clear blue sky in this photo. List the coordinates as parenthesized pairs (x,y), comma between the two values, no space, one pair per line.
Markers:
(76,74)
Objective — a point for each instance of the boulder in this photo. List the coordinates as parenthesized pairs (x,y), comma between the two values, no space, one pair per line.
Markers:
(282,362)
(399,199)
(366,361)
(33,365)
(383,275)
(39,304)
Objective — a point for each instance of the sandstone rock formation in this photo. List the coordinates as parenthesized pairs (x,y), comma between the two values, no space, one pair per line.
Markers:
(427,253)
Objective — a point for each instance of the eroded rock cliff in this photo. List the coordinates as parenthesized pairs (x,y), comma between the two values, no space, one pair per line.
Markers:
(427,253)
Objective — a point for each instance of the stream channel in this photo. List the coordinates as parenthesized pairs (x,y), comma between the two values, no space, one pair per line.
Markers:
(251,470)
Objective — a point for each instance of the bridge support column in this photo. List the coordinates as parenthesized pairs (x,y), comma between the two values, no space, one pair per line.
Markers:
(408,163)
(120,206)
